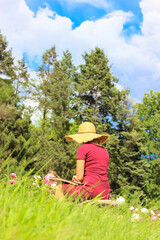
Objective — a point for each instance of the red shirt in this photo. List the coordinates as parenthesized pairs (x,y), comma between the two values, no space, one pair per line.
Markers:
(95,182)
(96,163)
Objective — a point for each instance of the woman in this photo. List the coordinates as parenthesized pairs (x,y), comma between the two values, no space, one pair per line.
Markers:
(92,165)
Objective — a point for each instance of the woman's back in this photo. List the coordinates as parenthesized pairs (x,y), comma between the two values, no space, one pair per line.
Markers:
(96,162)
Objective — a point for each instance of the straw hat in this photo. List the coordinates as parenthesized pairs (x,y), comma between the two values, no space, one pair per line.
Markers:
(86,133)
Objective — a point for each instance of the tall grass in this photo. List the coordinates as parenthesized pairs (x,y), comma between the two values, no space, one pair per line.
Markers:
(31,213)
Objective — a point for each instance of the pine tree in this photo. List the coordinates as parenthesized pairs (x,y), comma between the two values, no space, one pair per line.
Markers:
(22,84)
(7,76)
(98,96)
(110,110)
(14,123)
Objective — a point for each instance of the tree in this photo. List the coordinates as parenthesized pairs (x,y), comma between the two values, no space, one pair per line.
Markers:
(98,96)
(128,169)
(62,94)
(98,100)
(14,122)
(148,113)
(54,94)
(22,84)
(45,71)
(7,76)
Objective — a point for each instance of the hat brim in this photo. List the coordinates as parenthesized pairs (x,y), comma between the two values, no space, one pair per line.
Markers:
(87,137)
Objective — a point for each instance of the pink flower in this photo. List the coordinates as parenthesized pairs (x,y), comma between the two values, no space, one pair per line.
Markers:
(153,218)
(48,176)
(11,181)
(47,182)
(13,175)
(0,169)
(135,210)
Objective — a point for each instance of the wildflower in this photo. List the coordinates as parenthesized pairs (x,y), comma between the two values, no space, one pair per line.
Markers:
(39,177)
(135,217)
(0,169)
(13,175)
(120,200)
(131,208)
(49,183)
(54,185)
(135,210)
(11,182)
(48,176)
(144,210)
(153,218)
(153,213)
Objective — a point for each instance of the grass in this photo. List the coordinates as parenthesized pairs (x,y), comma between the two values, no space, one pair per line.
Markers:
(31,213)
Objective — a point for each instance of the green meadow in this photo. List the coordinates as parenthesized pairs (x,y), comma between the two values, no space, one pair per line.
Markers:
(28,212)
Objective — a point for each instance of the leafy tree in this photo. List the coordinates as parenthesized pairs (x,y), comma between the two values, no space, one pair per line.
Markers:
(45,71)
(148,113)
(128,169)
(54,94)
(62,91)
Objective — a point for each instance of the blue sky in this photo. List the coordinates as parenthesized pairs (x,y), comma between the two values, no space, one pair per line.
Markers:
(82,11)
(127,31)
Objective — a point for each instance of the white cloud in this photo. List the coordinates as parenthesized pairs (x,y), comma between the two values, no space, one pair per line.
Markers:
(136,62)
(30,34)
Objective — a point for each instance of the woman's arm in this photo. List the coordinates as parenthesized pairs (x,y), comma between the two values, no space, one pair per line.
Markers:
(79,171)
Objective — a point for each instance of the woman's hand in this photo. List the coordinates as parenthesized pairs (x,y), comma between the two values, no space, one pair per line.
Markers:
(75,179)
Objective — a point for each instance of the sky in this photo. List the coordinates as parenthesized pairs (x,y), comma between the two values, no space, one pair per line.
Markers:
(127,31)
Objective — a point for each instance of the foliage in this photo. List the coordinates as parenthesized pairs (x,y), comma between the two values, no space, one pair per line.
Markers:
(29,212)
(15,122)
(98,97)
(149,114)
(67,96)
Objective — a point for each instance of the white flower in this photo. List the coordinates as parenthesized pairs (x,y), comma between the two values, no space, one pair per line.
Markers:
(34,183)
(120,200)
(136,209)
(153,213)
(35,177)
(54,185)
(144,210)
(39,177)
(131,208)
(135,217)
